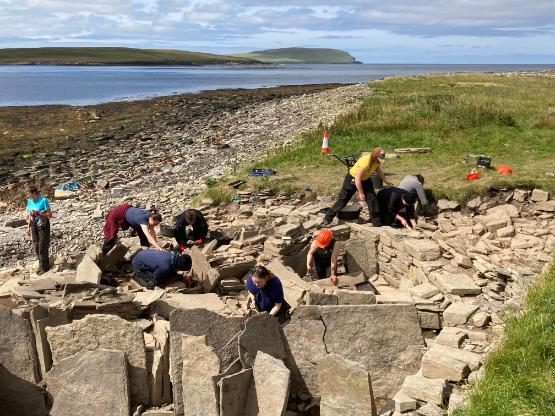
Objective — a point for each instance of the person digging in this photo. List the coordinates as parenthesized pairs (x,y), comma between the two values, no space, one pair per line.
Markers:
(153,268)
(397,207)
(322,256)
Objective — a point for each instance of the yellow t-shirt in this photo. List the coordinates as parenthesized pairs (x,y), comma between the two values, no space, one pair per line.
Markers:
(364,163)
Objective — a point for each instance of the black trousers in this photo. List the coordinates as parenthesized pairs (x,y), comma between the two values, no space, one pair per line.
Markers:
(41,243)
(321,266)
(109,244)
(347,191)
(144,277)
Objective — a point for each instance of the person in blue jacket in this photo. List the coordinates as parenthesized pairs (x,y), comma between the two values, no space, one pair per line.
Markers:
(266,294)
(153,267)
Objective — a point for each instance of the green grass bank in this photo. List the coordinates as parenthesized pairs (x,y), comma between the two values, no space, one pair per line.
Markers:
(509,117)
(519,377)
(301,55)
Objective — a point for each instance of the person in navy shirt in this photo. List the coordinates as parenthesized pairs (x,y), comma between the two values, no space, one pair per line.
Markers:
(266,293)
(155,268)
(38,225)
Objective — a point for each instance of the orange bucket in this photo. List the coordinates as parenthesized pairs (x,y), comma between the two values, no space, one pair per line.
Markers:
(504,169)
(473,176)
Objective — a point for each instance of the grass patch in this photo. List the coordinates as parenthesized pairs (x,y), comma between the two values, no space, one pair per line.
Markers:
(511,118)
(519,378)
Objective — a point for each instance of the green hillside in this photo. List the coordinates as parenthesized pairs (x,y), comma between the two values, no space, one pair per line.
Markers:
(112,56)
(301,55)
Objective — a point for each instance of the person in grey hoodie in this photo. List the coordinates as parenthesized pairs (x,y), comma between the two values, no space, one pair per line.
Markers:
(415,183)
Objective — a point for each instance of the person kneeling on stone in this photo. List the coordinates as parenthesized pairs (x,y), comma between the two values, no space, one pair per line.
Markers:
(124,216)
(156,268)
(266,294)
(323,254)
(397,207)
(184,237)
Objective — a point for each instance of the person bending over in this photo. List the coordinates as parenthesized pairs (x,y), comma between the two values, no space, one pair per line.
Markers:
(38,225)
(156,268)
(397,207)
(359,181)
(123,216)
(266,294)
(184,237)
(323,254)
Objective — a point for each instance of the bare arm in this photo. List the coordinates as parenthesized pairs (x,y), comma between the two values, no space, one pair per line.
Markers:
(150,235)
(401,220)
(380,174)
(310,257)
(358,183)
(334,255)
(275,309)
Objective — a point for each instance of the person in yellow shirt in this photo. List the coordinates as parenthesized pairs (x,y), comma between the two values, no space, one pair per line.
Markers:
(359,181)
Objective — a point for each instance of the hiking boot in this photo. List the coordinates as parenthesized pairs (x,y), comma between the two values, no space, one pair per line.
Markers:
(376,222)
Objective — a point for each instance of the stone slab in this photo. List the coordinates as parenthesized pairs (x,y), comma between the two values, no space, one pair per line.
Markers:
(173,301)
(354,297)
(17,347)
(451,337)
(437,365)
(425,389)
(458,313)
(20,397)
(361,256)
(88,271)
(233,393)
(345,388)
(424,290)
(456,283)
(202,270)
(473,360)
(422,249)
(40,319)
(347,280)
(90,383)
(294,287)
(262,333)
(106,332)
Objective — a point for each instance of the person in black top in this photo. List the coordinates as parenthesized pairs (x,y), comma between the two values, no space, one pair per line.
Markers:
(392,201)
(323,253)
(184,237)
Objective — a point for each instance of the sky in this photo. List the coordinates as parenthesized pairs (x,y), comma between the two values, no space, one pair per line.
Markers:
(373,31)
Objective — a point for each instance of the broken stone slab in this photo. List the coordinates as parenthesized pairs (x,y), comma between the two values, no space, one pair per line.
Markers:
(425,389)
(18,354)
(201,269)
(546,206)
(354,297)
(430,320)
(361,256)
(456,283)
(90,383)
(422,249)
(473,360)
(20,397)
(262,333)
(387,339)
(304,344)
(199,367)
(220,333)
(269,390)
(173,301)
(315,298)
(106,332)
(458,313)
(113,259)
(234,390)
(424,290)
(404,403)
(235,270)
(345,388)
(88,271)
(294,287)
(451,337)
(147,297)
(446,205)
(505,210)
(430,409)
(155,374)
(161,334)
(437,365)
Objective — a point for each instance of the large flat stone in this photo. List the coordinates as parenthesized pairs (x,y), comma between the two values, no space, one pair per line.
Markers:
(294,287)
(361,256)
(422,249)
(220,333)
(114,258)
(234,390)
(20,397)
(355,297)
(387,339)
(173,301)
(90,383)
(17,347)
(199,367)
(345,388)
(473,360)
(425,389)
(202,270)
(437,365)
(458,313)
(88,271)
(456,284)
(161,334)
(106,332)
(269,390)
(262,333)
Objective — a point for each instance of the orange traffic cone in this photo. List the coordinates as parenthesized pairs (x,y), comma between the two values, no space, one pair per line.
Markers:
(325,143)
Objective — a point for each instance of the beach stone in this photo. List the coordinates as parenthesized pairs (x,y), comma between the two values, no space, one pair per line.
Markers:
(269,390)
(456,283)
(17,351)
(345,388)
(88,271)
(90,383)
(425,389)
(199,367)
(106,332)
(458,313)
(220,333)
(262,333)
(234,390)
(20,397)
(304,343)
(387,339)
(539,195)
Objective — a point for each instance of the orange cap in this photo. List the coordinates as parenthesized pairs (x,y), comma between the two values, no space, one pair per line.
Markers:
(324,238)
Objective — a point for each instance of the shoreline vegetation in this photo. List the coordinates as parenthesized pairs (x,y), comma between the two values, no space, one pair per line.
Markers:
(115,56)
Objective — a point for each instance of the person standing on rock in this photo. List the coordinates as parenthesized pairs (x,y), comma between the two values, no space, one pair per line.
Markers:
(359,180)
(266,294)
(397,207)
(38,225)
(184,237)
(124,216)
(153,268)
(323,255)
